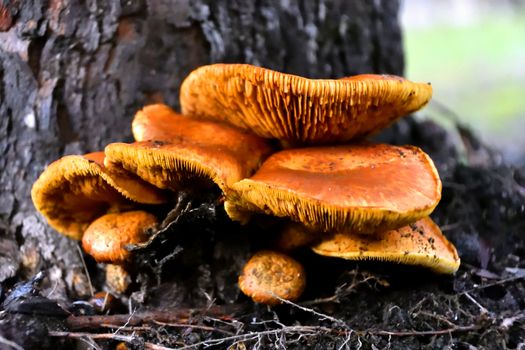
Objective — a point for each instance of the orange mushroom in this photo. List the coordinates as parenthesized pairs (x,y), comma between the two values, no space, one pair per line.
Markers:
(75,190)
(420,243)
(268,276)
(106,240)
(296,109)
(357,188)
(176,148)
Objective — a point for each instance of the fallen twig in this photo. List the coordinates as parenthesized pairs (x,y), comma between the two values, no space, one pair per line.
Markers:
(453,329)
(106,336)
(488,285)
(138,318)
(194,326)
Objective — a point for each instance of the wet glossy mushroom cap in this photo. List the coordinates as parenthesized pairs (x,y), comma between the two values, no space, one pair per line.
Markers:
(269,274)
(357,188)
(204,150)
(75,190)
(106,238)
(296,109)
(158,122)
(420,243)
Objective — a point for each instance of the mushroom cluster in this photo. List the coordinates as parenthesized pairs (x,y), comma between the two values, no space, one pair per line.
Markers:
(342,195)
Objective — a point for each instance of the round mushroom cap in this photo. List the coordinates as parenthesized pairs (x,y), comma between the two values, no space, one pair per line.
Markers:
(158,122)
(268,275)
(106,238)
(296,109)
(75,190)
(420,243)
(355,188)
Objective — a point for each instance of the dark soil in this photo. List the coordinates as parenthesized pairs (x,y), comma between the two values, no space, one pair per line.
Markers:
(186,294)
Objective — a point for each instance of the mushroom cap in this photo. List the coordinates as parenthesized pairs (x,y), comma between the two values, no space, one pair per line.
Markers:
(296,109)
(75,190)
(106,238)
(420,243)
(128,184)
(174,148)
(268,274)
(167,164)
(158,122)
(358,188)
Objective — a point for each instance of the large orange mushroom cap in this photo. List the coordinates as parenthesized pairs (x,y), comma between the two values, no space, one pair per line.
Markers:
(357,188)
(296,109)
(175,148)
(420,243)
(158,122)
(75,190)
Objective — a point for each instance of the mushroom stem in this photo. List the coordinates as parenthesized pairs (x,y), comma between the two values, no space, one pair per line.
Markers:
(118,278)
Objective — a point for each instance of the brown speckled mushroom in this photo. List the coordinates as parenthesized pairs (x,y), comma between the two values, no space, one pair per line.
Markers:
(359,188)
(269,275)
(106,240)
(298,110)
(421,244)
(75,190)
(175,148)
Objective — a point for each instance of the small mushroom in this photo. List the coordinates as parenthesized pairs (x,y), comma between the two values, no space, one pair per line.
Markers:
(269,275)
(296,109)
(355,188)
(175,148)
(106,240)
(75,190)
(420,243)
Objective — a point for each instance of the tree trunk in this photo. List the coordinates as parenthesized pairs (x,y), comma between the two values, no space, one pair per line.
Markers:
(72,73)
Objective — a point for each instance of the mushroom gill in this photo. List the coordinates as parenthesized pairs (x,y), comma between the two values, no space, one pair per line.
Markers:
(298,110)
(174,148)
(75,190)
(359,188)
(421,243)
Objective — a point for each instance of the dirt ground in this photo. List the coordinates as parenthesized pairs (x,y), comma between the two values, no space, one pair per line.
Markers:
(186,295)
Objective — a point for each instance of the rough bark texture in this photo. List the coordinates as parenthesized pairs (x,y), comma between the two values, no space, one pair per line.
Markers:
(72,73)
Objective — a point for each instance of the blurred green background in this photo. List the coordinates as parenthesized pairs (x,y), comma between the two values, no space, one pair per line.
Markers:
(473,53)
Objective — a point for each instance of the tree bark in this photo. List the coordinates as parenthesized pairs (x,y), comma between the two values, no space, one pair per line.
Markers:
(72,73)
